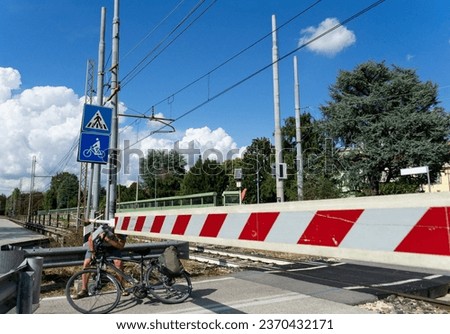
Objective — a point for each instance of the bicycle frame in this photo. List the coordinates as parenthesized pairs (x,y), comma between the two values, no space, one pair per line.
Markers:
(103,289)
(108,262)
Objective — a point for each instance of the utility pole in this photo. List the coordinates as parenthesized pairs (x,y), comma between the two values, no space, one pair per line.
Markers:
(113,156)
(276,97)
(298,133)
(33,171)
(100,81)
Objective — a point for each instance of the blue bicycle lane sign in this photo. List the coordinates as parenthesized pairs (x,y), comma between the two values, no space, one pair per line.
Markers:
(93,148)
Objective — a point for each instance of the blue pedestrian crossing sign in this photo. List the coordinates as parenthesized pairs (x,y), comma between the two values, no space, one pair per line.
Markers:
(96,119)
(93,148)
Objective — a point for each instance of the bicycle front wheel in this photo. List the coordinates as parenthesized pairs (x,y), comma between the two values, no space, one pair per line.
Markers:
(102,295)
(168,290)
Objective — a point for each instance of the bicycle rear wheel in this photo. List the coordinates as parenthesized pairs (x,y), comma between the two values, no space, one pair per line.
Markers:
(166,289)
(103,292)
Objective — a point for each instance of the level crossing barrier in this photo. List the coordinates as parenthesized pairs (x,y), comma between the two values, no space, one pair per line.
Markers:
(412,230)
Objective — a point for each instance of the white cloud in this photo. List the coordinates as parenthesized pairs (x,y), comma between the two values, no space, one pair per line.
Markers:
(213,144)
(9,80)
(42,122)
(331,43)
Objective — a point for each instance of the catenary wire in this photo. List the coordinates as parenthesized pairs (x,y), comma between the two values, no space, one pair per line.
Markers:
(252,75)
(222,64)
(143,64)
(235,55)
(154,29)
(219,66)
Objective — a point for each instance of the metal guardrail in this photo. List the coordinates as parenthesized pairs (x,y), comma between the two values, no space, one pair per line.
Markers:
(21,270)
(20,284)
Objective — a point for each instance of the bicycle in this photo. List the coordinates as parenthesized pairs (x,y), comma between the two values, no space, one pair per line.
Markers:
(105,291)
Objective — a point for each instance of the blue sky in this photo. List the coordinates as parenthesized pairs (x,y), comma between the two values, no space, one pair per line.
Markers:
(45,45)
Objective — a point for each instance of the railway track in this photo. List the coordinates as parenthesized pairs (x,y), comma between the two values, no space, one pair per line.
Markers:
(234,259)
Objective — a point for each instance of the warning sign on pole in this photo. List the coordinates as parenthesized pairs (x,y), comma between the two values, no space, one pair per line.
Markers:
(96,119)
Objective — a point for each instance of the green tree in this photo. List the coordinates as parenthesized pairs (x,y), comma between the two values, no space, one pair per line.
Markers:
(162,173)
(205,176)
(384,119)
(14,203)
(256,168)
(127,194)
(63,192)
(319,169)
(3,199)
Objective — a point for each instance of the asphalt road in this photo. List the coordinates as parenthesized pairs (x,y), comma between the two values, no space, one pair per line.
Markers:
(248,292)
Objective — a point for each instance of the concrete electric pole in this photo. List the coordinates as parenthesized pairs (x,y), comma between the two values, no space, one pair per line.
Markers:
(298,133)
(276,98)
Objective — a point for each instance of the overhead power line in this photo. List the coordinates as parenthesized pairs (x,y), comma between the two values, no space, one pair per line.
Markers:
(144,63)
(235,55)
(222,64)
(154,29)
(252,75)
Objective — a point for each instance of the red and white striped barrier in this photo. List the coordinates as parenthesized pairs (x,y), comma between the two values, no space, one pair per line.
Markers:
(404,229)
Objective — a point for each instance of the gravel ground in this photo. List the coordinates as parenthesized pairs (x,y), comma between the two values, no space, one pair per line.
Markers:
(401,305)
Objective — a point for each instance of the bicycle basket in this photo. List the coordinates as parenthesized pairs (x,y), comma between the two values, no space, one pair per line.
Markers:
(169,262)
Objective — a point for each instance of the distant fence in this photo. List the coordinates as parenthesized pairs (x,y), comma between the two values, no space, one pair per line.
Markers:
(193,201)
(56,217)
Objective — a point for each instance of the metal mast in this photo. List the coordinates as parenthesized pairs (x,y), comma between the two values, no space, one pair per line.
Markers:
(82,208)
(100,81)
(276,98)
(113,156)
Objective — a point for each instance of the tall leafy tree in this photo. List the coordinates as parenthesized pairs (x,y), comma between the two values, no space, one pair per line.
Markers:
(384,119)
(205,176)
(319,167)
(162,173)
(3,199)
(15,203)
(256,168)
(126,194)
(63,192)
